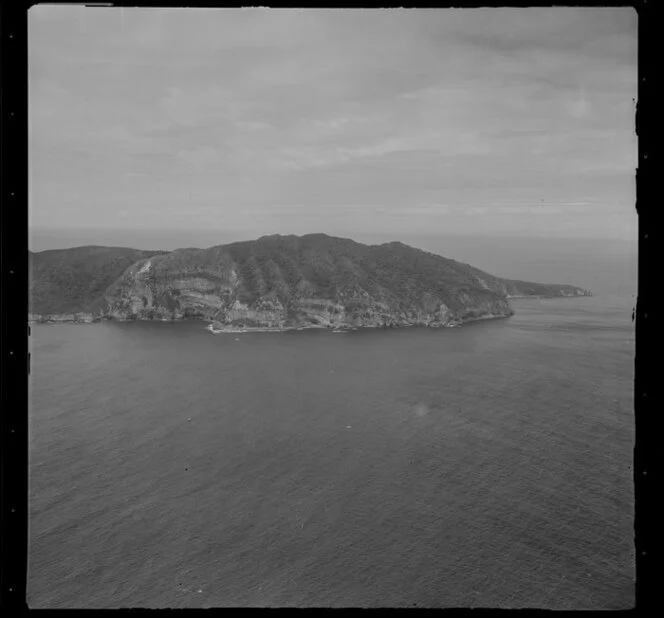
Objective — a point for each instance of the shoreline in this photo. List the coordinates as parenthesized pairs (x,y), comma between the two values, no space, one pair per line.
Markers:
(337,329)
(256,329)
(542,297)
(87,318)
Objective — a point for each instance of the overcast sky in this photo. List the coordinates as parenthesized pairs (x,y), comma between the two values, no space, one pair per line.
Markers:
(399,122)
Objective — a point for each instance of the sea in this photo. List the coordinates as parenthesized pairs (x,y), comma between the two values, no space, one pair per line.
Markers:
(483,466)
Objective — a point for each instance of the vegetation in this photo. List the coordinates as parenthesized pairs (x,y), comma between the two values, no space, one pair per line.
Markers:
(74,280)
(382,279)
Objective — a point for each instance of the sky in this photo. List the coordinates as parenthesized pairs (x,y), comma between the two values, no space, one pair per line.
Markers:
(200,124)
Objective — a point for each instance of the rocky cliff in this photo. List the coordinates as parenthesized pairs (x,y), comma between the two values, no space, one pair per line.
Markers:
(290,281)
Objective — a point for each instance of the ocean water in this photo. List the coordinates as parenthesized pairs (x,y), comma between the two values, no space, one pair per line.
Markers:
(484,466)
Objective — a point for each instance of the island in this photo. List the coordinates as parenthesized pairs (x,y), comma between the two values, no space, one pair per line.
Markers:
(273,283)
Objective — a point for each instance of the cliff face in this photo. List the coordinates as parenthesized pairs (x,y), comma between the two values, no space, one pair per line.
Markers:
(288,281)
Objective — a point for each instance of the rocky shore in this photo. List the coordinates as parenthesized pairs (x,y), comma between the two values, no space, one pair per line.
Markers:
(77,318)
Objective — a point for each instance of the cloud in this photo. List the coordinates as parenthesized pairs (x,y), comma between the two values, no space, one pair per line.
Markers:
(579,107)
(200,156)
(205,105)
(483,111)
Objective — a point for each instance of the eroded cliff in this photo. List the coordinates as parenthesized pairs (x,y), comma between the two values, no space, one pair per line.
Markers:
(289,281)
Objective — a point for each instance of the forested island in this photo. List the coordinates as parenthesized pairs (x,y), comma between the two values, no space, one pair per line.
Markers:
(275,283)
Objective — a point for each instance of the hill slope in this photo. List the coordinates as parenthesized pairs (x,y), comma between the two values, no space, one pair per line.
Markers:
(68,281)
(278,281)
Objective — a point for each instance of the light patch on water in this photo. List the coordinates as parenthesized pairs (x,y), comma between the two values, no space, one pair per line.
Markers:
(421,409)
